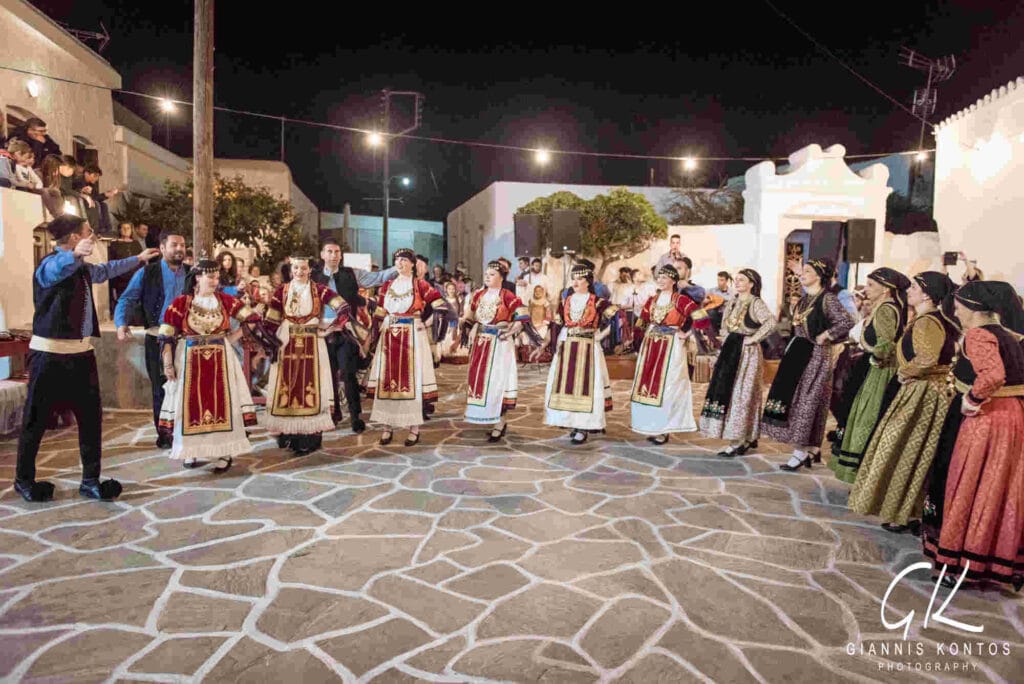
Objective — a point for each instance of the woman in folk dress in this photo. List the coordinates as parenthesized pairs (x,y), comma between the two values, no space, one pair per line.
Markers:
(207,404)
(300,387)
(661,401)
(798,400)
(493,382)
(732,407)
(579,390)
(401,380)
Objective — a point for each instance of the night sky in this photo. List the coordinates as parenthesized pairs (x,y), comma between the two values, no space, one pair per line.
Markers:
(739,83)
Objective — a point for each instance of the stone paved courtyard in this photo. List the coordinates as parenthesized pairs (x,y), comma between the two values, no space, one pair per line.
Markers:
(459,560)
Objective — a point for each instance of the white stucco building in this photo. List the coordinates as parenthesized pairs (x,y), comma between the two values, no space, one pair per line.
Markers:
(979,182)
(364,235)
(276,177)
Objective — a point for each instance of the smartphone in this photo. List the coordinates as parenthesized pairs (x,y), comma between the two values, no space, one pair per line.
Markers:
(950,258)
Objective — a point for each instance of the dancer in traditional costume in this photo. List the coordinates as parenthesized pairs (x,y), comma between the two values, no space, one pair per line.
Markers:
(207,404)
(979,517)
(797,405)
(882,329)
(890,481)
(493,382)
(579,390)
(301,386)
(661,401)
(401,380)
(732,407)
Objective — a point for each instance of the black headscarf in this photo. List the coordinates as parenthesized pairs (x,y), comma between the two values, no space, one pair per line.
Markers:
(894,281)
(755,280)
(825,270)
(995,296)
(939,288)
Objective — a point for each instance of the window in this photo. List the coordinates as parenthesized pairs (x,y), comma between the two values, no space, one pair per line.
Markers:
(84,151)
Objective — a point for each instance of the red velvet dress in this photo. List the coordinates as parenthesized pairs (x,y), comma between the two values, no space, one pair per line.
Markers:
(983,521)
(493,378)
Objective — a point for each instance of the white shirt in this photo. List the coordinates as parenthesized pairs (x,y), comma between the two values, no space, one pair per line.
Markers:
(399,304)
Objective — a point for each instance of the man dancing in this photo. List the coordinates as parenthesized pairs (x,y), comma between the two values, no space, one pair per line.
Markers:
(62,365)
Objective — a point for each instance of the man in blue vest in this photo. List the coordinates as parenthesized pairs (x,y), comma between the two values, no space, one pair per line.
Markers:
(341,349)
(154,287)
(62,363)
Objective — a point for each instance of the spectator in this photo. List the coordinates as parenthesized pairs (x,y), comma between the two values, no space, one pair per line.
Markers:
(716,298)
(141,234)
(674,253)
(971,272)
(189,257)
(530,279)
(276,280)
(58,197)
(89,184)
(506,283)
(438,276)
(622,296)
(34,133)
(16,164)
(643,289)
(695,292)
(228,272)
(121,248)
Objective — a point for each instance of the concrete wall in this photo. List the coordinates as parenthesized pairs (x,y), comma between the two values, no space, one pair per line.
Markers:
(979,182)
(32,42)
(147,166)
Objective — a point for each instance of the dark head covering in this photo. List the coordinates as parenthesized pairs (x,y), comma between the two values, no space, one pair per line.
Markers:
(404,253)
(670,271)
(894,281)
(64,225)
(203,265)
(755,279)
(583,269)
(939,289)
(824,268)
(997,297)
(498,266)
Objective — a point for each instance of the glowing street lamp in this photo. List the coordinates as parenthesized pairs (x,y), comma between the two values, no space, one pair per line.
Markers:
(374,139)
(921,156)
(406,181)
(167,107)
(542,156)
(690,164)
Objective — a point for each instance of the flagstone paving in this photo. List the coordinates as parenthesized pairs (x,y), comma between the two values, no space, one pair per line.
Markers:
(459,560)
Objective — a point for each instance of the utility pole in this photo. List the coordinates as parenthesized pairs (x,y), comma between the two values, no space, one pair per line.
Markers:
(925,99)
(202,130)
(386,178)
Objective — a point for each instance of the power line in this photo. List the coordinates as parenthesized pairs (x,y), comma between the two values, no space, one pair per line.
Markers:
(449,141)
(846,66)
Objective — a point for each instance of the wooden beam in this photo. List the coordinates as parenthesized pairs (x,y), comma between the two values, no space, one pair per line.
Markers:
(202,129)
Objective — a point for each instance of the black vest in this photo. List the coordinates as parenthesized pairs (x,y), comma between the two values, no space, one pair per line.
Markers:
(153,293)
(344,283)
(1011,352)
(60,310)
(948,346)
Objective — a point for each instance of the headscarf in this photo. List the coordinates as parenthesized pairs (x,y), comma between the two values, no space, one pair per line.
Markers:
(670,271)
(997,297)
(404,253)
(583,270)
(202,266)
(755,280)
(939,288)
(825,270)
(896,282)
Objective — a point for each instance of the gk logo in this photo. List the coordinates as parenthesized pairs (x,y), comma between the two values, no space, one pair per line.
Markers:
(906,621)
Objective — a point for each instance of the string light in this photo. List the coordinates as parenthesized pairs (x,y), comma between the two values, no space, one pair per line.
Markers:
(374,138)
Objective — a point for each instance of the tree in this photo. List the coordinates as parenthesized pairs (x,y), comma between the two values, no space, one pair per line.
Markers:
(618,225)
(695,207)
(242,214)
(134,210)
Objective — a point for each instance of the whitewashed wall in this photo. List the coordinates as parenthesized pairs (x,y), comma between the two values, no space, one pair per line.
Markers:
(979,183)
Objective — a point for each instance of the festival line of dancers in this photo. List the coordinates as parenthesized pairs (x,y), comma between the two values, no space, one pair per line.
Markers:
(931,424)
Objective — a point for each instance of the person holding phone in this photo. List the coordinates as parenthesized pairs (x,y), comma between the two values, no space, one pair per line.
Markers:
(971,270)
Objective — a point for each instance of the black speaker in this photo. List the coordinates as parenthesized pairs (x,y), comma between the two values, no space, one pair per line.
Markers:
(826,240)
(527,234)
(565,231)
(860,241)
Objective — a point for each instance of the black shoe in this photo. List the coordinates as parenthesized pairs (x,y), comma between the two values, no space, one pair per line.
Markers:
(358,426)
(164,442)
(895,529)
(806,463)
(745,447)
(284,441)
(1018,582)
(577,434)
(659,440)
(948,581)
(816,456)
(915,527)
(223,464)
(497,437)
(336,418)
(107,490)
(190,463)
(413,439)
(729,452)
(385,437)
(831,436)
(34,492)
